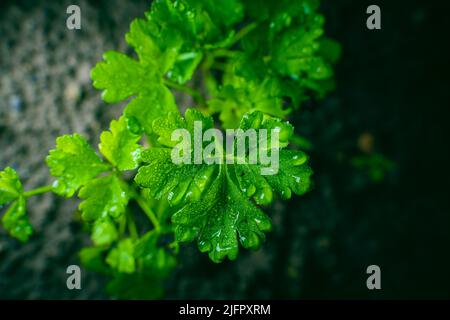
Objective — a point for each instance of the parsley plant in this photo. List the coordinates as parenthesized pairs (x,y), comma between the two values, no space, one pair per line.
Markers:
(245,64)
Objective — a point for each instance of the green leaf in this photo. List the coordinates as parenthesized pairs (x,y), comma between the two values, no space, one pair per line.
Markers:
(228,13)
(185,66)
(155,259)
(376,165)
(144,37)
(104,232)
(16,221)
(296,53)
(162,176)
(150,105)
(288,46)
(120,145)
(121,77)
(73,163)
(103,197)
(233,101)
(197,22)
(175,17)
(218,201)
(293,176)
(121,258)
(10,186)
(223,218)
(93,258)
(292,171)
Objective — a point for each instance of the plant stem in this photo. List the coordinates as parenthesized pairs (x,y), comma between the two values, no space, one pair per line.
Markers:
(38,191)
(194,93)
(132,226)
(122,226)
(175,246)
(243,32)
(223,53)
(150,214)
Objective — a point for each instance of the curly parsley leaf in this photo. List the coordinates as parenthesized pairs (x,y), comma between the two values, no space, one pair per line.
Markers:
(120,145)
(73,163)
(103,197)
(121,258)
(170,43)
(216,199)
(104,232)
(93,258)
(152,264)
(185,66)
(236,99)
(285,48)
(161,176)
(16,221)
(149,106)
(220,220)
(155,259)
(10,186)
(121,77)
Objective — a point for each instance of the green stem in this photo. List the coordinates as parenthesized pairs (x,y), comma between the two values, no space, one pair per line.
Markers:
(223,53)
(38,191)
(122,226)
(175,246)
(194,93)
(132,226)
(243,32)
(219,66)
(150,214)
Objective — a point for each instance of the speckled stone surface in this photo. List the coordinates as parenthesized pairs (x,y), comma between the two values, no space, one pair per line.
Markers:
(45,92)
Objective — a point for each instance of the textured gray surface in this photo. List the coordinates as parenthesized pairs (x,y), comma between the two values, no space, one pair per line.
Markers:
(45,91)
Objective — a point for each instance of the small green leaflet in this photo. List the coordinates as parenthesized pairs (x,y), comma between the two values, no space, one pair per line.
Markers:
(155,259)
(103,197)
(149,105)
(121,258)
(170,42)
(120,145)
(73,163)
(104,232)
(10,186)
(93,258)
(140,266)
(15,219)
(240,97)
(121,77)
(222,218)
(288,47)
(219,202)
(185,66)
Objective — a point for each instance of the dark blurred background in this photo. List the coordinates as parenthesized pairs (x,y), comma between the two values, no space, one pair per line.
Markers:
(380,156)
